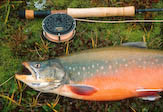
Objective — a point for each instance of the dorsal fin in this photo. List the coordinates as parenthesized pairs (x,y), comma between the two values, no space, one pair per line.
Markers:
(135,44)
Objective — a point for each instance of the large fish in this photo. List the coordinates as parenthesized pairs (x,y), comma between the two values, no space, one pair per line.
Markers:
(102,74)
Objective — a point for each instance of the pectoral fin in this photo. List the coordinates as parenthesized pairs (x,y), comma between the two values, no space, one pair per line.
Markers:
(80,89)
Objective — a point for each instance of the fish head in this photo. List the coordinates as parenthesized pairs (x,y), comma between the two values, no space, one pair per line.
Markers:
(43,75)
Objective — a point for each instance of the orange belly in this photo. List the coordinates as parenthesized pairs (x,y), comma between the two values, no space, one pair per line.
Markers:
(124,83)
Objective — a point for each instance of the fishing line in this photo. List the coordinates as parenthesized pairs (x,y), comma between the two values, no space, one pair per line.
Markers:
(6,81)
(125,21)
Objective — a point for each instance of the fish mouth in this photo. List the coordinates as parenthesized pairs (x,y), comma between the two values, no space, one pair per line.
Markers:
(26,71)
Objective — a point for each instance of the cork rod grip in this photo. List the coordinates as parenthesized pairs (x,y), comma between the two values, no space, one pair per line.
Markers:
(101,11)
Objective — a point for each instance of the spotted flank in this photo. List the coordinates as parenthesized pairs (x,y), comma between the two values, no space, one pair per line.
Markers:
(80,71)
(85,70)
(104,74)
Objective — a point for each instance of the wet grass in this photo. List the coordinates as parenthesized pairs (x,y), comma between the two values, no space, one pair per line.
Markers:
(20,40)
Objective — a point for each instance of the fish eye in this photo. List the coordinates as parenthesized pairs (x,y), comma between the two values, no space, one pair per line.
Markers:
(37,65)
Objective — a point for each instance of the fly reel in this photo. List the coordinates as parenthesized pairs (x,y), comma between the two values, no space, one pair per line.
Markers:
(58,27)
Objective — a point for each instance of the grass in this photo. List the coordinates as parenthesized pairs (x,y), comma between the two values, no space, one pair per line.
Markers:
(20,40)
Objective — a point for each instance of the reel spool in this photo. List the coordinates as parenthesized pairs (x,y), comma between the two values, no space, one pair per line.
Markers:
(58,27)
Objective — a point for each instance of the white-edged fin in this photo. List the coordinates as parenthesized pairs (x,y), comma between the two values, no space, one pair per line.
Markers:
(135,44)
(149,94)
(151,98)
(151,90)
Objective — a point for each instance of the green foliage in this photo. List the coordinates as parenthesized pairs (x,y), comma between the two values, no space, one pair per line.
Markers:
(58,4)
(9,65)
(134,34)
(46,108)
(79,4)
(33,30)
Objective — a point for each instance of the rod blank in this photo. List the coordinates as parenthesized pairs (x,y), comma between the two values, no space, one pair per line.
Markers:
(87,12)
(148,10)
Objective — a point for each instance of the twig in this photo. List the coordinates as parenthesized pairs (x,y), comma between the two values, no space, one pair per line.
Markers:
(67,48)
(6,97)
(38,53)
(132,109)
(8,12)
(6,81)
(56,101)
(38,96)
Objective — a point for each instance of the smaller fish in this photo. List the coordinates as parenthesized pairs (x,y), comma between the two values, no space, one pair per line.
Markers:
(103,74)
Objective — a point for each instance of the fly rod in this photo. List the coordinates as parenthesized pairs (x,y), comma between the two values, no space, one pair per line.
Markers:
(87,12)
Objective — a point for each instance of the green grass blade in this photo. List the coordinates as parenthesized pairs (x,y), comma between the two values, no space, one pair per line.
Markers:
(7,15)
